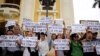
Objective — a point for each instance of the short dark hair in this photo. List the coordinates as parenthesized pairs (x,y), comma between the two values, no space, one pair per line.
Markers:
(73,36)
(42,33)
(10,27)
(95,33)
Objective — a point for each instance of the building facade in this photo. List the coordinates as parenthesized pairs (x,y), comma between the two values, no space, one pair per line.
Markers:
(32,9)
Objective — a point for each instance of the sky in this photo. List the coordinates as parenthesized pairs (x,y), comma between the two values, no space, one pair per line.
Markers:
(83,10)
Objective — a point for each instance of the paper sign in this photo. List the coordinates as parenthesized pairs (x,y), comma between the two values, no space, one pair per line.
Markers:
(10,23)
(29,42)
(92,24)
(9,41)
(58,21)
(88,47)
(37,27)
(40,28)
(77,28)
(89,22)
(98,49)
(55,28)
(97,42)
(94,28)
(61,44)
(46,20)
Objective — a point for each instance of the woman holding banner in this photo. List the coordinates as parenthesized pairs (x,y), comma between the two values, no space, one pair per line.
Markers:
(66,35)
(51,46)
(59,52)
(76,46)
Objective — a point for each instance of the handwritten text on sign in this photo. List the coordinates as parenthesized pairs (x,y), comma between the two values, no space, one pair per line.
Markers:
(88,47)
(77,28)
(61,44)
(9,41)
(29,42)
(98,49)
(56,29)
(46,20)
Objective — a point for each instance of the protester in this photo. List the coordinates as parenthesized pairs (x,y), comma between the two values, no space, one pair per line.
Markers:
(32,50)
(51,43)
(66,35)
(88,38)
(59,52)
(18,50)
(76,46)
(51,46)
(43,45)
(10,50)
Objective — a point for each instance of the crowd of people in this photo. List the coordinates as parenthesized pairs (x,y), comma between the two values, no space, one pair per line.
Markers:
(45,44)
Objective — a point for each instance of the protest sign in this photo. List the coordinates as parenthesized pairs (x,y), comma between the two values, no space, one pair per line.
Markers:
(89,22)
(34,26)
(58,21)
(29,42)
(88,47)
(61,44)
(9,41)
(98,49)
(94,43)
(40,28)
(94,28)
(46,20)
(55,28)
(93,25)
(10,23)
(78,28)
(27,20)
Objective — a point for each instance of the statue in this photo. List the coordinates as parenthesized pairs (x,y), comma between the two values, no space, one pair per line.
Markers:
(47,2)
(96,2)
(47,5)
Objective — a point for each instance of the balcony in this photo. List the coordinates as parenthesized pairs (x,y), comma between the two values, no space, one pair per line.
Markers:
(11,9)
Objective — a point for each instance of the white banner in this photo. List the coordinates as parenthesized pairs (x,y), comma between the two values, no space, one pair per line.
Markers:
(58,21)
(29,42)
(46,20)
(96,42)
(89,22)
(94,28)
(10,23)
(92,24)
(88,47)
(9,41)
(77,28)
(62,44)
(37,27)
(40,28)
(98,49)
(55,28)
